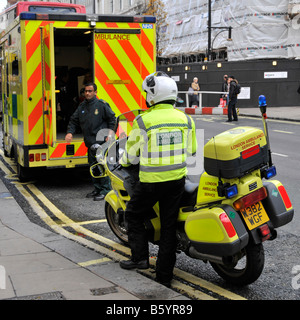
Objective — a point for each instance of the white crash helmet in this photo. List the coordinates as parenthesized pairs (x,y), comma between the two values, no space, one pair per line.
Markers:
(159,87)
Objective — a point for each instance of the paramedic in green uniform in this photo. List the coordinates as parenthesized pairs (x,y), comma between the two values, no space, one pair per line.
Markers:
(91,116)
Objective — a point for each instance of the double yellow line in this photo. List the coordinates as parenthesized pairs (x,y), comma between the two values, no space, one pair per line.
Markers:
(111,254)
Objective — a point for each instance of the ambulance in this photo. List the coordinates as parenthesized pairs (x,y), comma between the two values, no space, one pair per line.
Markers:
(47,56)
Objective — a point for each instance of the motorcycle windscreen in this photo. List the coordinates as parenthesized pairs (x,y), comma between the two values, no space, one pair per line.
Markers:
(119,69)
(125,121)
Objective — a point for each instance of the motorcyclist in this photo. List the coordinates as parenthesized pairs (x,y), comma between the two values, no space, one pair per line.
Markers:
(160,141)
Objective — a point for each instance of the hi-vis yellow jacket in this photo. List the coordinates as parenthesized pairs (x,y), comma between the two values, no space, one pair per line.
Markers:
(160,141)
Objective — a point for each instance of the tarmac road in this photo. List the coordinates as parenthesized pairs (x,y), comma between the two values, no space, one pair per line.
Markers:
(67,189)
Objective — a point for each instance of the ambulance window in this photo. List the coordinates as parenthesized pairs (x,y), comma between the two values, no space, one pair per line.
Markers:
(48,9)
(15,67)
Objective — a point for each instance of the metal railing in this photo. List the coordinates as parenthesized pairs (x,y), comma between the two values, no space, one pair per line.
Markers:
(200,93)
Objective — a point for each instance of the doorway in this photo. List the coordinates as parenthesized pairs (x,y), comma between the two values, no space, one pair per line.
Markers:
(73,67)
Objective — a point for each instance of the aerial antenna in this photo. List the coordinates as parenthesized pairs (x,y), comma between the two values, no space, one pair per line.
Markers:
(263,109)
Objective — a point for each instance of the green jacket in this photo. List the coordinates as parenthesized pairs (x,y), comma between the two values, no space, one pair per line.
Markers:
(160,140)
(92,116)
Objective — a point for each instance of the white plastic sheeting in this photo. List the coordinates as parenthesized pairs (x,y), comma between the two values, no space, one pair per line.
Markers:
(260,28)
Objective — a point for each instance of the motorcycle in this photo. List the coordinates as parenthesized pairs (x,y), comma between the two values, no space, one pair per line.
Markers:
(225,218)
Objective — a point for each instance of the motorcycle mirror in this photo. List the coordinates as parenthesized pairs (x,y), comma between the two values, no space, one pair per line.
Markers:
(95,147)
(97,171)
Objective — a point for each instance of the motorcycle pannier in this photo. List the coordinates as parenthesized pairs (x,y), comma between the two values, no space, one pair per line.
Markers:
(231,154)
(278,211)
(208,234)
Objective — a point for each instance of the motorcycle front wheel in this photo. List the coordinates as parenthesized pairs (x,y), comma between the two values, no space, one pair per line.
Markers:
(246,270)
(116,222)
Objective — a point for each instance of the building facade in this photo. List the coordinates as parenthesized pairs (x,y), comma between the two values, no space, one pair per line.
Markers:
(263,52)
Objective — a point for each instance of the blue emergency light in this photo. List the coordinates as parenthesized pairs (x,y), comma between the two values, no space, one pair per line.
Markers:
(262,101)
(27,16)
(231,191)
(269,172)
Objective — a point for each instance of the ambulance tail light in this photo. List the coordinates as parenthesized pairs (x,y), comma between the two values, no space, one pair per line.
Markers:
(37,157)
(250,199)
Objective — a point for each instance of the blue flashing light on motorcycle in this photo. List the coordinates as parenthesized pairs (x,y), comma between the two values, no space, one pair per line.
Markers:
(262,101)
(231,191)
(269,173)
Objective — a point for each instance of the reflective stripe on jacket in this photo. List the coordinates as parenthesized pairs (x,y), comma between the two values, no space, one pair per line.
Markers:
(160,141)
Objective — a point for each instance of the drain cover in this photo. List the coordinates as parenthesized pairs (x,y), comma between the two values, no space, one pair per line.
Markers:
(44,296)
(103,291)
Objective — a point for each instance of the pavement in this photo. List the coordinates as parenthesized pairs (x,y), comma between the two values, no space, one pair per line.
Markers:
(282,113)
(38,264)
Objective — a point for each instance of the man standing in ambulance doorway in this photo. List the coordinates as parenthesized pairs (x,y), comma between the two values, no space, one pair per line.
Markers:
(161,138)
(91,116)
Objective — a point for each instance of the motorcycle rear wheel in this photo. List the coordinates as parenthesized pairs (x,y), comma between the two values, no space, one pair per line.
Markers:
(116,223)
(252,266)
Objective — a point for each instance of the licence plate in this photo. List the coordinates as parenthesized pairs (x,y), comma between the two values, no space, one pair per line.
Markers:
(255,215)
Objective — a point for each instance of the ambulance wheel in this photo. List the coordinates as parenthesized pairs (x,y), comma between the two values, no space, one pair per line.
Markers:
(247,269)
(116,221)
(24,174)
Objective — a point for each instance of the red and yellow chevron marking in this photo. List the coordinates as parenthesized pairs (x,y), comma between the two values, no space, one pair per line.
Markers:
(60,150)
(122,61)
(34,46)
(121,64)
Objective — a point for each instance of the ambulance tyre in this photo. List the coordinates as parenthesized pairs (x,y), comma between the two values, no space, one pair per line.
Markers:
(24,174)
(116,222)
(249,270)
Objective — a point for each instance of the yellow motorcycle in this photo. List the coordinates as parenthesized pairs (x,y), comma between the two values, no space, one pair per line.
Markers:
(223,219)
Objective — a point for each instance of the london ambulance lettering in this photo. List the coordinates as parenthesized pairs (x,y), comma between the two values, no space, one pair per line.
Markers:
(124,56)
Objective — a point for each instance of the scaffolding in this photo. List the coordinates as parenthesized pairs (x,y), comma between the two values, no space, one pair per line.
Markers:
(260,29)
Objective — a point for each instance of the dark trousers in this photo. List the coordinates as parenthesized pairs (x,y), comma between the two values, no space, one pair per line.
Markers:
(232,109)
(168,194)
(100,184)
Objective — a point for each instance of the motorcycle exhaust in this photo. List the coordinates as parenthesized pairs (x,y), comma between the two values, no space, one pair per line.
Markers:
(205,257)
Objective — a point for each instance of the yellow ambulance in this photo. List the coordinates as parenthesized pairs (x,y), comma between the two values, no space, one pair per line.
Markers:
(46,59)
